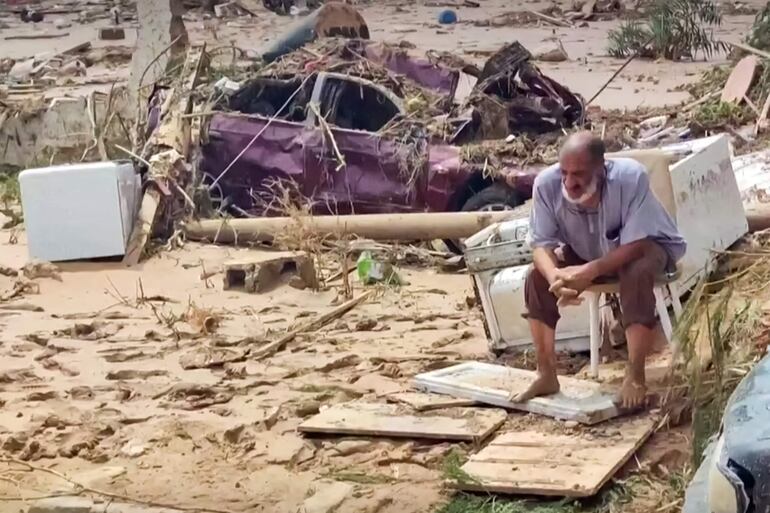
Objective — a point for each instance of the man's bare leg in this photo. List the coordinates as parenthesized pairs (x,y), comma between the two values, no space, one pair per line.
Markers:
(546,382)
(634,390)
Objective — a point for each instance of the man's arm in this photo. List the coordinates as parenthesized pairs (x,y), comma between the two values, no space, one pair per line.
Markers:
(610,263)
(545,262)
(579,277)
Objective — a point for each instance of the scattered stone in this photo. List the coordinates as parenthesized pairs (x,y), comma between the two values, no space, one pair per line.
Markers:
(78,444)
(378,384)
(15,443)
(37,269)
(390,370)
(327,497)
(8,271)
(348,447)
(235,435)
(74,68)
(339,363)
(571,424)
(22,307)
(289,449)
(188,396)
(553,52)
(6,64)
(55,422)
(366,325)
(208,357)
(269,418)
(296,282)
(42,396)
(451,339)
(133,449)
(22,70)
(95,330)
(307,408)
(61,23)
(81,393)
(18,376)
(126,374)
(35,451)
(52,364)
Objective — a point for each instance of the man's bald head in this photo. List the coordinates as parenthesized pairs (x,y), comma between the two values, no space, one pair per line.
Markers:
(584,142)
(582,161)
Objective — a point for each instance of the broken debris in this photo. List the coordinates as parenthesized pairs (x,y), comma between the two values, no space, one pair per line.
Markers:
(264,275)
(473,424)
(538,463)
(580,400)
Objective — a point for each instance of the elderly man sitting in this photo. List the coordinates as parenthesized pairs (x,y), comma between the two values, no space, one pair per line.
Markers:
(594,218)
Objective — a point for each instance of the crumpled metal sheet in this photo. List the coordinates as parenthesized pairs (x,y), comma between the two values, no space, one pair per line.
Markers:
(533,102)
(746,430)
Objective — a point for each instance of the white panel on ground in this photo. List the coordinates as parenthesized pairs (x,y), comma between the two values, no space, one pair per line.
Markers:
(579,400)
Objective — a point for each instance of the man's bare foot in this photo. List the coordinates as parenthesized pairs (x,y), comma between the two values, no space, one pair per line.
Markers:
(633,394)
(544,384)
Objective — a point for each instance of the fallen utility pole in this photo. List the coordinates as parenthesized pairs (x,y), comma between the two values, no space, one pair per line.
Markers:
(404,227)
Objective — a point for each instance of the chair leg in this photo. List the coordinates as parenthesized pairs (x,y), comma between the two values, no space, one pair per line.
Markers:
(665,320)
(595,338)
(673,291)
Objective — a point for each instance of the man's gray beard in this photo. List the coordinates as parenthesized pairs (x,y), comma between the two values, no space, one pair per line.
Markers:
(590,191)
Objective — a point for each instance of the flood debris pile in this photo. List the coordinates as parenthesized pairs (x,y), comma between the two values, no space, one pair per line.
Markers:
(735,98)
(533,103)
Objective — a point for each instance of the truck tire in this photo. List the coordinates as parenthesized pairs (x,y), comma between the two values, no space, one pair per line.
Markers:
(496,197)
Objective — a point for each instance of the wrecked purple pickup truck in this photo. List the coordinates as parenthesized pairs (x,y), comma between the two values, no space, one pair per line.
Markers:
(331,135)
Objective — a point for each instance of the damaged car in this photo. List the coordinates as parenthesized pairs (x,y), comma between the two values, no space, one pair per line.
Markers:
(371,129)
(735,474)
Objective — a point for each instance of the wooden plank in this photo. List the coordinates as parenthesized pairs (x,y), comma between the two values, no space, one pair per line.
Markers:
(145,219)
(391,420)
(571,465)
(426,402)
(579,400)
(740,79)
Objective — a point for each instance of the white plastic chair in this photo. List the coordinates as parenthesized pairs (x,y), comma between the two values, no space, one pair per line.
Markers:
(656,162)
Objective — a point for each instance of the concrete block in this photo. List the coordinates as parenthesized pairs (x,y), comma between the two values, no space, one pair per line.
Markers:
(112,33)
(264,276)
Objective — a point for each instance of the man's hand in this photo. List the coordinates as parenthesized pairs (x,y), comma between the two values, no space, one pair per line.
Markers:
(579,277)
(565,295)
(568,283)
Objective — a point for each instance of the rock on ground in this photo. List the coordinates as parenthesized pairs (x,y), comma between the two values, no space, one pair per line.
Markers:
(327,498)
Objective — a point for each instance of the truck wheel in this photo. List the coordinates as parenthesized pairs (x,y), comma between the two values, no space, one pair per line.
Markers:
(495,198)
